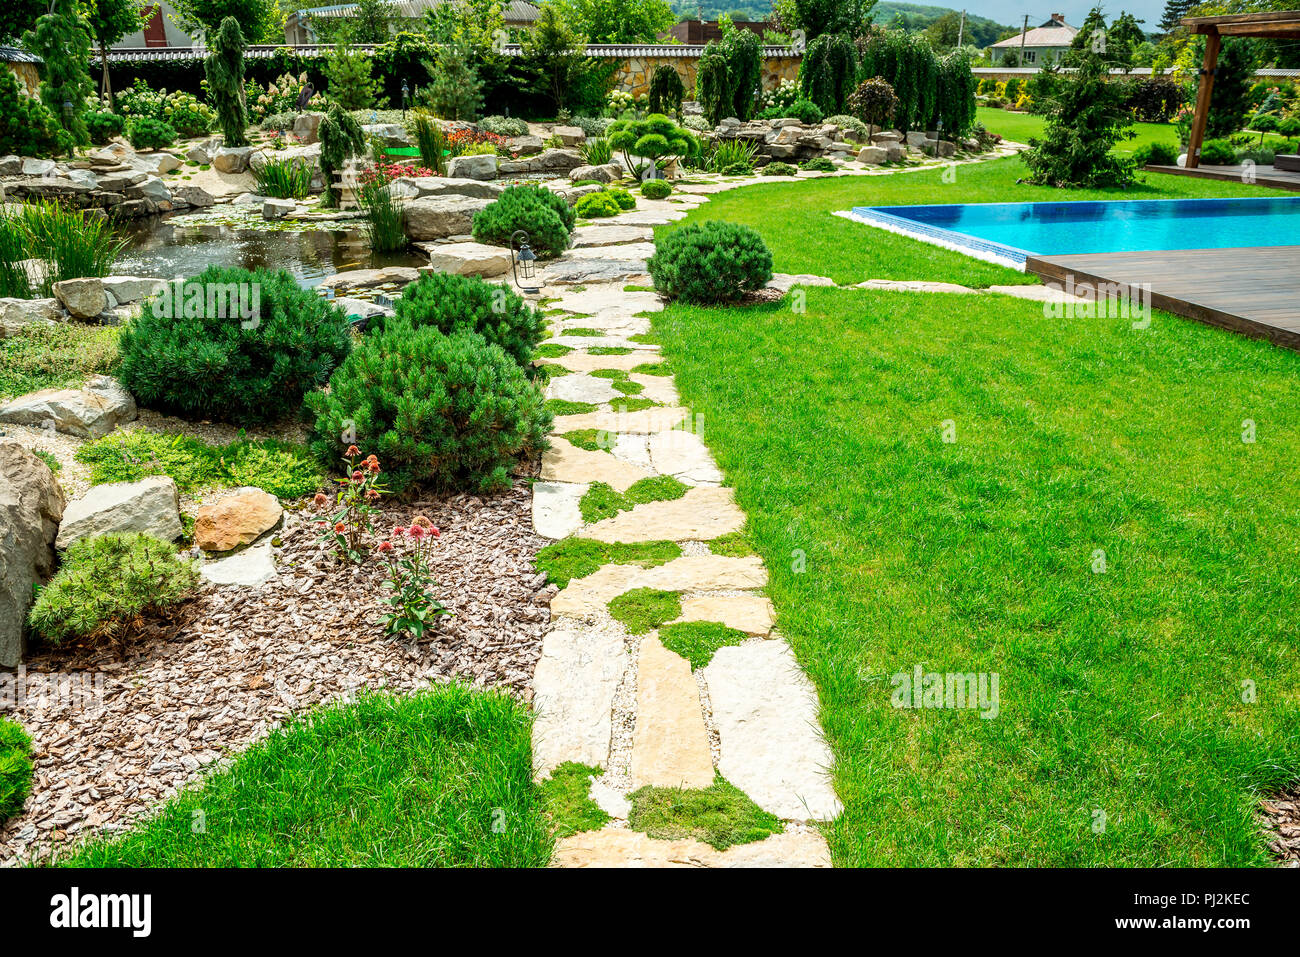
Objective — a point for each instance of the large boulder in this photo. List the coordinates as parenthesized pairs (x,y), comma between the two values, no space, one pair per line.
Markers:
(31,505)
(91,412)
(194,195)
(480,166)
(83,298)
(388,134)
(438,217)
(525,145)
(151,506)
(17,314)
(570,135)
(873,155)
(232,159)
(607,173)
(239,518)
(469,259)
(127,289)
(548,161)
(306,127)
(415,187)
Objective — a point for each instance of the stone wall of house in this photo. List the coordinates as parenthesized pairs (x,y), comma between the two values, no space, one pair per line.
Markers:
(28,76)
(634,73)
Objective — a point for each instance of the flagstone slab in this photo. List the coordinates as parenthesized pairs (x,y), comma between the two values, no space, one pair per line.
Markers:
(621,325)
(670,745)
(619,341)
(612,235)
(915,285)
(634,250)
(575,272)
(657,419)
(751,614)
(584,597)
(765,711)
(555,508)
(650,217)
(586,362)
(565,462)
(678,453)
(657,388)
(787,281)
(1036,293)
(612,802)
(704,512)
(607,297)
(620,847)
(582,388)
(573,696)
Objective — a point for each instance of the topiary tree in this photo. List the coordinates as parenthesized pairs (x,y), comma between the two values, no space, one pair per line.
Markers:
(827,73)
(656,138)
(543,214)
(666,91)
(224,69)
(874,102)
(341,138)
(62,39)
(450,412)
(710,262)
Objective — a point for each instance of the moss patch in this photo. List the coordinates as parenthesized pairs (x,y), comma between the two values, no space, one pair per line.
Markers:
(733,545)
(601,501)
(589,439)
(645,609)
(567,801)
(573,558)
(552,350)
(565,407)
(634,404)
(584,331)
(719,815)
(696,641)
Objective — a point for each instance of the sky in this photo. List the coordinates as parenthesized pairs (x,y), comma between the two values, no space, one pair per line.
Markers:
(1013,11)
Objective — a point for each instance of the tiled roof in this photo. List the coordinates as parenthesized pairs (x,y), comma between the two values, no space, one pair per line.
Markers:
(1059,36)
(516,11)
(259,52)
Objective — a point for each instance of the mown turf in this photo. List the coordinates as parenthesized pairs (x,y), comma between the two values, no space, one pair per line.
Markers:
(1143,708)
(437,779)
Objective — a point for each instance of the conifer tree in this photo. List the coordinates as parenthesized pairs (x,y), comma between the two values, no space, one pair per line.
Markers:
(224,67)
(62,39)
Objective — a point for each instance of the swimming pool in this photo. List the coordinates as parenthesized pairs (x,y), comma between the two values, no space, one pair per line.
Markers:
(1009,232)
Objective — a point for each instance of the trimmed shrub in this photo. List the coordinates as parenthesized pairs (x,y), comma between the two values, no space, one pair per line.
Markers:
(655,189)
(193,354)
(874,102)
(451,412)
(597,206)
(106,584)
(1156,154)
(819,164)
(27,126)
(546,216)
(103,126)
(15,768)
(146,133)
(711,262)
(1218,153)
(621,196)
(851,123)
(805,111)
(778,169)
(452,304)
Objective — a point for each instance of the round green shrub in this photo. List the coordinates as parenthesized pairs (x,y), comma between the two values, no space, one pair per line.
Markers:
(710,262)
(819,164)
(146,133)
(199,355)
(27,126)
(1156,154)
(621,196)
(655,189)
(805,111)
(451,303)
(778,169)
(545,215)
(450,412)
(103,126)
(1218,153)
(106,583)
(597,206)
(15,768)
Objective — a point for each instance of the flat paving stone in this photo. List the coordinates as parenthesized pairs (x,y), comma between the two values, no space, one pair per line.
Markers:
(914,285)
(595,236)
(670,745)
(620,847)
(565,462)
(787,281)
(582,388)
(751,614)
(636,250)
(606,297)
(657,419)
(586,362)
(249,568)
(555,508)
(765,711)
(575,272)
(657,388)
(584,597)
(703,513)
(573,696)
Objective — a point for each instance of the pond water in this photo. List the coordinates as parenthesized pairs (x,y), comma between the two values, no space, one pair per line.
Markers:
(159,247)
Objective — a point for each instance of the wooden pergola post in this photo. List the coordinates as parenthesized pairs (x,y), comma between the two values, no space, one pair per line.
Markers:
(1213,43)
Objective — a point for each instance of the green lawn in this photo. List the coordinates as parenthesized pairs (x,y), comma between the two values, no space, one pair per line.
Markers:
(437,779)
(1121,693)
(796,222)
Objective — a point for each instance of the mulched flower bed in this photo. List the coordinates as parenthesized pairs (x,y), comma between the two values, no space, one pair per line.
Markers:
(234,662)
(1282,824)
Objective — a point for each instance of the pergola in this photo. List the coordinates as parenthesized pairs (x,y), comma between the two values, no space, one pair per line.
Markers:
(1277,24)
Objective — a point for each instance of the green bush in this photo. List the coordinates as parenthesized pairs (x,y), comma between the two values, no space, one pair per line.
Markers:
(778,169)
(827,72)
(452,304)
(1156,154)
(851,123)
(150,134)
(106,584)
(622,197)
(15,768)
(544,215)
(27,126)
(655,189)
(819,164)
(805,111)
(597,206)
(504,125)
(103,126)
(283,178)
(208,360)
(710,262)
(451,412)
(1218,153)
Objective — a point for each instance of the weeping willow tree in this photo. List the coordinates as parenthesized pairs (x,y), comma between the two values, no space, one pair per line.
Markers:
(713,83)
(908,63)
(729,76)
(224,68)
(827,75)
(62,39)
(341,138)
(666,91)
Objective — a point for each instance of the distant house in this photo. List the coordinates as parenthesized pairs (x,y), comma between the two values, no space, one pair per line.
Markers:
(298,30)
(699,32)
(1042,45)
(161,30)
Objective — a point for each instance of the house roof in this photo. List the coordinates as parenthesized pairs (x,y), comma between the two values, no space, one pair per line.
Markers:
(515,11)
(1055,33)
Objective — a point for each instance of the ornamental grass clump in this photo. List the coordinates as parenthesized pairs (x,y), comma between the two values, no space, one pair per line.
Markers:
(283,178)
(69,244)
(710,262)
(443,411)
(107,586)
(15,768)
(544,215)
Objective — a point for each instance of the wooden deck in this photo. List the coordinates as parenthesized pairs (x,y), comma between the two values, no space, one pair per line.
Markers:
(1262,175)
(1253,290)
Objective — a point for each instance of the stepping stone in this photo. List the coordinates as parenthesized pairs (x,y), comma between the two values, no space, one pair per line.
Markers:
(699,515)
(638,250)
(614,324)
(596,236)
(913,285)
(657,388)
(565,462)
(250,568)
(573,696)
(618,340)
(589,596)
(658,419)
(751,614)
(607,297)
(555,508)
(765,710)
(582,388)
(575,272)
(1037,293)
(620,847)
(785,281)
(586,362)
(677,453)
(670,745)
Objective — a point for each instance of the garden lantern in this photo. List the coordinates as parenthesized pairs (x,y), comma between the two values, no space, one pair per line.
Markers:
(522,260)
(67,122)
(406,95)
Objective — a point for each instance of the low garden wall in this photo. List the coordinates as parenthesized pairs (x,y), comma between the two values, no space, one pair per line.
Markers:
(634,72)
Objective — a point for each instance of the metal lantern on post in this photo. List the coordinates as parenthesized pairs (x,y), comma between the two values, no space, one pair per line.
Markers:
(522,261)
(67,124)
(406,96)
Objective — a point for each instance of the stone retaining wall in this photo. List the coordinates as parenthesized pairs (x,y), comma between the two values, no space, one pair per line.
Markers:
(634,73)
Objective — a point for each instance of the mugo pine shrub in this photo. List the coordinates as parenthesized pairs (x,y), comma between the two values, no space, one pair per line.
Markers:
(451,304)
(15,768)
(544,215)
(711,262)
(450,412)
(232,344)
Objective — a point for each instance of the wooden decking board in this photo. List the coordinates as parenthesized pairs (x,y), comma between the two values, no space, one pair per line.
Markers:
(1262,175)
(1252,290)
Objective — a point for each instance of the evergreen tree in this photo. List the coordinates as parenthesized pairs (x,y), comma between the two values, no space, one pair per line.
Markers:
(553,53)
(1175,10)
(341,138)
(350,82)
(456,92)
(828,71)
(224,68)
(1230,97)
(62,39)
(110,20)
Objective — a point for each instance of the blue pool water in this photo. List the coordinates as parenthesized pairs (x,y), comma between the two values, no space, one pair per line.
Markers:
(1011,231)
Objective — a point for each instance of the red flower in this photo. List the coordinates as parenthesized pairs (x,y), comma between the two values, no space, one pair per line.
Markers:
(417,532)
(320,499)
(353,451)
(358,476)
(435,533)
(398,531)
(371,463)
(372,495)
(385,546)
(340,528)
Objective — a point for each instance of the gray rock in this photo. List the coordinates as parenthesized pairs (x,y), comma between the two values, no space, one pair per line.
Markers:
(916,138)
(83,298)
(570,135)
(873,155)
(362,308)
(249,568)
(11,165)
(525,145)
(277,208)
(389,134)
(408,187)
(306,127)
(548,161)
(36,167)
(199,154)
(16,314)
(577,271)
(91,412)
(232,159)
(469,259)
(150,505)
(481,167)
(31,505)
(194,195)
(128,289)
(607,173)
(437,217)
(895,152)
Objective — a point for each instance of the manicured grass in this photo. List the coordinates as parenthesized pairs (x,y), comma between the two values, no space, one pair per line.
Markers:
(796,223)
(720,815)
(1121,692)
(442,778)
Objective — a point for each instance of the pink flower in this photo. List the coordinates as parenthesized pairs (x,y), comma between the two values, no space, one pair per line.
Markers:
(320,499)
(353,451)
(358,476)
(435,533)
(398,531)
(417,532)
(372,495)
(385,546)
